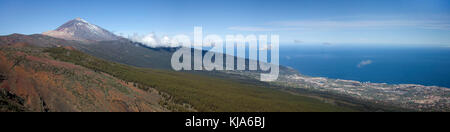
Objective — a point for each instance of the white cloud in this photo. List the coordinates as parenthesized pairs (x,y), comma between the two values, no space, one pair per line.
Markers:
(264,29)
(244,28)
(327,24)
(432,23)
(364,63)
(151,40)
(165,40)
(264,47)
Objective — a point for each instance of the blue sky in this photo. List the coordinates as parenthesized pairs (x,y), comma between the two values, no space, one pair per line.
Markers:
(400,22)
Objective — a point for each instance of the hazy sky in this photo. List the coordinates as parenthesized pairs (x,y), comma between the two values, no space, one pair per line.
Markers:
(304,21)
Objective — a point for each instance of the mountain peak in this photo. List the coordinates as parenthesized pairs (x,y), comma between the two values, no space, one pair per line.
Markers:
(81,30)
(80,19)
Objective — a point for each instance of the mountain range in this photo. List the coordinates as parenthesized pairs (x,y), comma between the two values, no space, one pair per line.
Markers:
(82,67)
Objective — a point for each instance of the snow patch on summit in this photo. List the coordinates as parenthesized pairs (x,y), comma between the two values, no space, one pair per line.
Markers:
(81,30)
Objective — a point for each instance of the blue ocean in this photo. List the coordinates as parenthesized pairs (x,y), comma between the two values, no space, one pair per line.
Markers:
(428,66)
